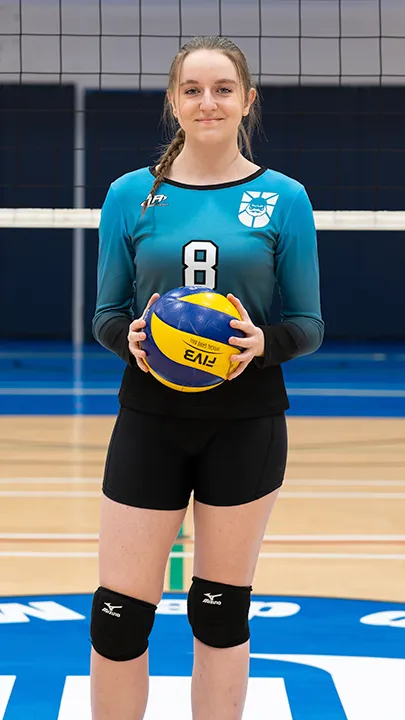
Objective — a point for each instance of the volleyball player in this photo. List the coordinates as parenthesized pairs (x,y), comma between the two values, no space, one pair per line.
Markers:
(206,214)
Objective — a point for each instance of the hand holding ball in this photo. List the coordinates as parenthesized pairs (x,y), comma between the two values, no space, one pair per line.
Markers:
(187,332)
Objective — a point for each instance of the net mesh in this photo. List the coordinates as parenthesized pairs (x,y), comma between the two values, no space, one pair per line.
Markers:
(81,91)
(108,43)
(71,121)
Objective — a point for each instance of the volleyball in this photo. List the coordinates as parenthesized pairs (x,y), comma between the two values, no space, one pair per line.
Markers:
(187,333)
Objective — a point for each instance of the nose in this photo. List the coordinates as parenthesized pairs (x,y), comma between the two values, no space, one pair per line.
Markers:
(207,101)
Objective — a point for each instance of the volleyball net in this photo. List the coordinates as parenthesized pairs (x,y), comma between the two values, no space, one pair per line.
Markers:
(81,90)
(89,218)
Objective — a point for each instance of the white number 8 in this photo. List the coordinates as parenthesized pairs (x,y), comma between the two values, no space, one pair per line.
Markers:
(200,260)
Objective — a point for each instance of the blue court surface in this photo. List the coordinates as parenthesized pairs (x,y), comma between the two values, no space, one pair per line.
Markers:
(311,659)
(338,380)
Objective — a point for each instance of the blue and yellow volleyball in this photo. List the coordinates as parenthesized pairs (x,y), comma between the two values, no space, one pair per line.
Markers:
(187,333)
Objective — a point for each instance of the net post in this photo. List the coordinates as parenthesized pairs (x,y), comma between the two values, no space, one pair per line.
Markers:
(78,259)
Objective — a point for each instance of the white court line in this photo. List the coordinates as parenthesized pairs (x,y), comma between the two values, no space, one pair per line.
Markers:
(51,494)
(342,495)
(319,356)
(287,482)
(69,355)
(283,495)
(70,392)
(6,686)
(333,538)
(32,554)
(371,483)
(346,392)
(267,538)
(310,392)
(279,555)
(50,536)
(335,556)
(53,481)
(170,699)
(313,556)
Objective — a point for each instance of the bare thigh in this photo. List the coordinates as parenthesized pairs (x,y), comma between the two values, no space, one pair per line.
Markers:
(134,547)
(228,539)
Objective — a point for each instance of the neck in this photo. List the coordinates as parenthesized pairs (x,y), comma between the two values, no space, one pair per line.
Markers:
(200,164)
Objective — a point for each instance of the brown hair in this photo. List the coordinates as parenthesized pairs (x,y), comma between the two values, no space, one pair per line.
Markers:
(247,125)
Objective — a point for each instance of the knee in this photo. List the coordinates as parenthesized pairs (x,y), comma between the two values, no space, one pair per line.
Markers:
(218,613)
(120,625)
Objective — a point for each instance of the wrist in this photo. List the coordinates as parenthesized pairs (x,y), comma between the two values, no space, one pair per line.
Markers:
(260,350)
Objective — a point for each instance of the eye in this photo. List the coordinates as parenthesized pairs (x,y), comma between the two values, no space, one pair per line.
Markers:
(191,91)
(224,90)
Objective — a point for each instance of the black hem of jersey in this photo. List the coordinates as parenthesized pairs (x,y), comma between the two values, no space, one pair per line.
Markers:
(131,402)
(218,186)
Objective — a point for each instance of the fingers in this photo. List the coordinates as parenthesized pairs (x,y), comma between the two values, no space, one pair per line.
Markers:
(136,350)
(246,326)
(139,355)
(241,342)
(238,371)
(246,356)
(237,303)
(150,302)
(247,344)
(142,365)
(140,323)
(136,335)
(136,325)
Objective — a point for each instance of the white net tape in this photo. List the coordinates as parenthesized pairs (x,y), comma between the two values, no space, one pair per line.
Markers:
(85,218)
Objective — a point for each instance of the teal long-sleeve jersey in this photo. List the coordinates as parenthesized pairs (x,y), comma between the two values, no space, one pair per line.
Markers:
(244,237)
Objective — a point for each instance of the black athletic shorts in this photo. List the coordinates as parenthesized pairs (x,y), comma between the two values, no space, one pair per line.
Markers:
(156,462)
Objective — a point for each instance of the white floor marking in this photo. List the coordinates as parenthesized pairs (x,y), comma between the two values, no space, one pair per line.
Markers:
(169,698)
(6,686)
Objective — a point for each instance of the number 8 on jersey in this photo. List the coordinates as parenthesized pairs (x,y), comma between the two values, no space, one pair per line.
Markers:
(200,261)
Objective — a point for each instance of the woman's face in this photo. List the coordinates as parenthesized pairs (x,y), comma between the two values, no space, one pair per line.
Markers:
(208,100)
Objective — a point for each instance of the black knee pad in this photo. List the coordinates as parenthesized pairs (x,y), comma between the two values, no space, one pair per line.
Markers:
(120,625)
(218,613)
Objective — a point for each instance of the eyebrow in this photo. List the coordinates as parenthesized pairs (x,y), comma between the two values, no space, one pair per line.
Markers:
(225,81)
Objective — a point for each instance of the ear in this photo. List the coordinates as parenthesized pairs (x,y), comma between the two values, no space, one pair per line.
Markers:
(252,94)
(170,99)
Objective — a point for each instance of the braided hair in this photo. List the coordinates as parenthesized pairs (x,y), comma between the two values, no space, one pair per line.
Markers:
(247,125)
(166,160)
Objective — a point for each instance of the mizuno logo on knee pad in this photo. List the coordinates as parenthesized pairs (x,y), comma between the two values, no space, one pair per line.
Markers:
(223,626)
(209,599)
(110,609)
(126,639)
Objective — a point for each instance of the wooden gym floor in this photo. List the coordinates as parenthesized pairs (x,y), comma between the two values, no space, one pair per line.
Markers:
(338,528)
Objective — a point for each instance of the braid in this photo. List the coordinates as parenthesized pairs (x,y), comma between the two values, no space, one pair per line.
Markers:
(247,125)
(165,162)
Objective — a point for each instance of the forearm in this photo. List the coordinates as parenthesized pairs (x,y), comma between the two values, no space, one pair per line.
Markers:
(290,339)
(113,335)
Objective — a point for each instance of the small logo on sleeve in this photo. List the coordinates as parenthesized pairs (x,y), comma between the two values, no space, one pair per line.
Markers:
(157,201)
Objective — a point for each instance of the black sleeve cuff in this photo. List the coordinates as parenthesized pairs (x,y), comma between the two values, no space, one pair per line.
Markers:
(113,335)
(282,342)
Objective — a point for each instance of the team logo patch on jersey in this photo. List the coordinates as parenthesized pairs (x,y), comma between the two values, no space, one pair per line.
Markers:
(257,208)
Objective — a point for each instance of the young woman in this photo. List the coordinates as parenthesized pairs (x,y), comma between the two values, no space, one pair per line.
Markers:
(208,215)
